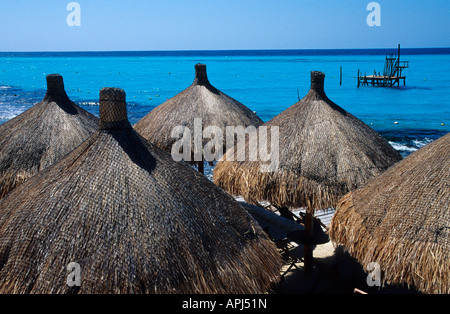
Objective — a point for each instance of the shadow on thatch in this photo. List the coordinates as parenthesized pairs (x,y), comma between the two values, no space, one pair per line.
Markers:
(133,145)
(133,220)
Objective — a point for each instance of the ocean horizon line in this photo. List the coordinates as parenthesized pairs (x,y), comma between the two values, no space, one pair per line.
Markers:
(232,52)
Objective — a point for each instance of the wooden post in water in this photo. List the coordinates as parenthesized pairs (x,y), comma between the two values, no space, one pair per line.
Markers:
(358,78)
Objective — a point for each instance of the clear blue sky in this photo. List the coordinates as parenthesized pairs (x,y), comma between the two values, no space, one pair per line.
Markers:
(40,25)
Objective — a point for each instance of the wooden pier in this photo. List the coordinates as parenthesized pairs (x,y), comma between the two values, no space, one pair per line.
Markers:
(392,73)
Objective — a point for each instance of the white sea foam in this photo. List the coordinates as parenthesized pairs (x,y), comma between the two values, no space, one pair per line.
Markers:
(401,147)
(88,103)
(9,112)
(7,116)
(422,143)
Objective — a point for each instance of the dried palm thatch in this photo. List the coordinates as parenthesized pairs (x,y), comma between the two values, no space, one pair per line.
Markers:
(324,152)
(401,220)
(40,136)
(202,101)
(133,219)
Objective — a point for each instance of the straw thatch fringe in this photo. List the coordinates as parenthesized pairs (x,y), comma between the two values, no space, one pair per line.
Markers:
(422,265)
(134,220)
(282,188)
(42,135)
(401,220)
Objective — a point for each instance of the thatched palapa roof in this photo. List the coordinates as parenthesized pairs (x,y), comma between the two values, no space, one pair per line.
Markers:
(324,152)
(202,101)
(401,220)
(40,136)
(133,219)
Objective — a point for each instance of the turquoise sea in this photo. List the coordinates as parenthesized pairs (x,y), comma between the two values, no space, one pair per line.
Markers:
(266,81)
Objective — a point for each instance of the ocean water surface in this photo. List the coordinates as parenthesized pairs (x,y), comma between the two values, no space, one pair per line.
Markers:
(266,81)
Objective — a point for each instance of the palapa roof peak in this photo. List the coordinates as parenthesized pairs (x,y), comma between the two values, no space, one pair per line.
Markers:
(113,107)
(56,94)
(41,135)
(201,101)
(134,220)
(324,152)
(201,77)
(55,85)
(318,81)
(317,92)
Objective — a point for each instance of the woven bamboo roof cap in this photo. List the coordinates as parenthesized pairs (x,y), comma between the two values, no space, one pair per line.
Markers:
(55,85)
(114,107)
(317,81)
(133,219)
(201,77)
